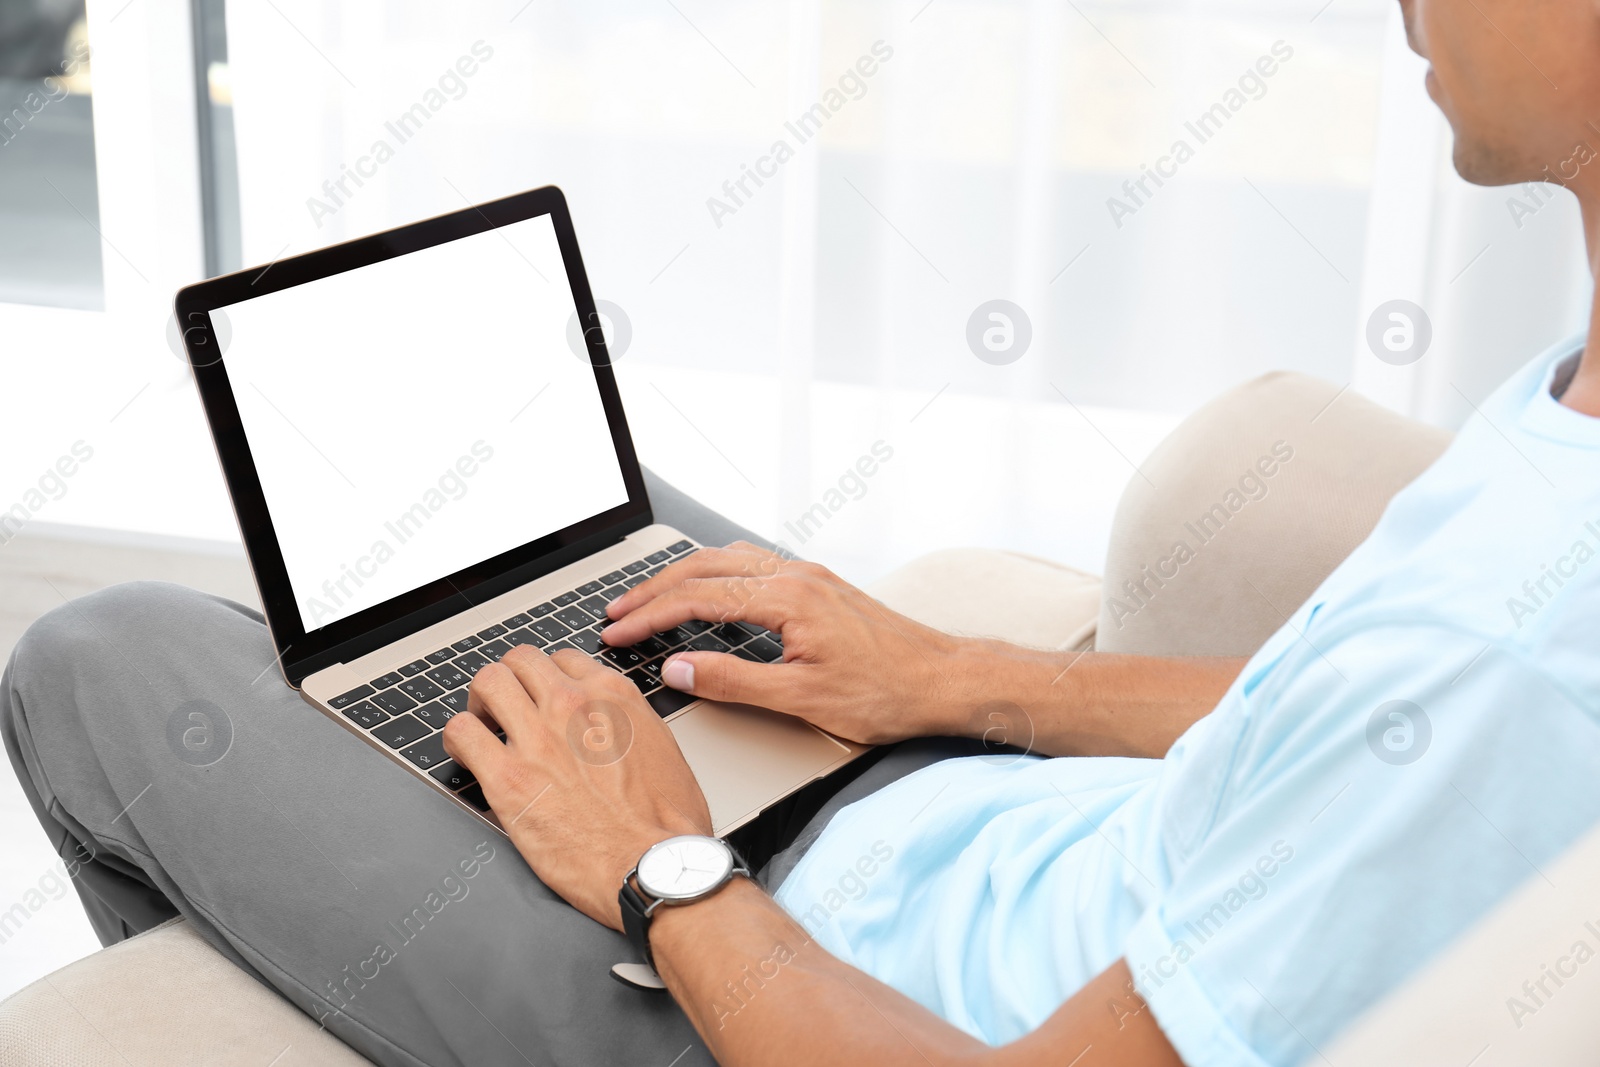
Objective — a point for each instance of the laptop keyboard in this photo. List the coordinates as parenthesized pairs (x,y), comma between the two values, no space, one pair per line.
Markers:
(406,708)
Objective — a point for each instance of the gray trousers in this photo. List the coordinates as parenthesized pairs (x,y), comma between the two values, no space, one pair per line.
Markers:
(373,905)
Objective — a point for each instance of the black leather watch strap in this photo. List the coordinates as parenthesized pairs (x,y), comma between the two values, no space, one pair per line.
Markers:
(636,920)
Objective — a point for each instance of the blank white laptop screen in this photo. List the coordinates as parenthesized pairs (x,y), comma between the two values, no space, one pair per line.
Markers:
(420,415)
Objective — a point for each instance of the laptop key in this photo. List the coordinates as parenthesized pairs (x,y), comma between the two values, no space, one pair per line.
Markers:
(588,640)
(558,646)
(542,610)
(564,599)
(751,628)
(653,571)
(525,637)
(468,642)
(549,629)
(745,653)
(494,650)
(650,646)
(613,577)
(444,655)
(393,701)
(679,548)
(590,588)
(492,632)
(637,579)
(427,753)
(449,677)
(411,670)
(473,795)
(435,714)
(517,621)
(635,567)
(623,659)
(452,775)
(658,557)
(611,592)
(596,606)
(695,626)
(365,715)
(667,701)
(642,680)
(674,636)
(471,663)
(731,634)
(396,733)
(708,643)
(420,689)
(653,669)
(765,649)
(344,700)
(455,701)
(574,617)
(385,681)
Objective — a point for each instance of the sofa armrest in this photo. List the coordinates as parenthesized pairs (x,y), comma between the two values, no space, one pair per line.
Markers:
(164,999)
(1487,1000)
(980,592)
(1238,516)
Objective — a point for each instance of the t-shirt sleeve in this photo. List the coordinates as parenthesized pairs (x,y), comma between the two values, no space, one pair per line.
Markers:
(1387,788)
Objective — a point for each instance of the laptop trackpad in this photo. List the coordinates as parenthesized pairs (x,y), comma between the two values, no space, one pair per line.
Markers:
(745,757)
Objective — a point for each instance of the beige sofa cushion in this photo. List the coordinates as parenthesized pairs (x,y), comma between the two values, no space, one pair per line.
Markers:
(1469,1006)
(1243,510)
(980,592)
(162,999)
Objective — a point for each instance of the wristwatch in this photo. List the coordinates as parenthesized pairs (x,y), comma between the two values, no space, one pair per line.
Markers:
(679,870)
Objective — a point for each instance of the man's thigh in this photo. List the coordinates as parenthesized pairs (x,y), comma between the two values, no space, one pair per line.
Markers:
(681,511)
(163,750)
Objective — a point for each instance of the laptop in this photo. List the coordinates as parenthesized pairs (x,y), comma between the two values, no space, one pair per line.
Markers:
(430,465)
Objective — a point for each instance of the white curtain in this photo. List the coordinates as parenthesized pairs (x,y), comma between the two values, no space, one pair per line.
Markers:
(955,153)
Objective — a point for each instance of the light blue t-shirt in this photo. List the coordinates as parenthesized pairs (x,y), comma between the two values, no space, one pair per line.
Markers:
(1422,736)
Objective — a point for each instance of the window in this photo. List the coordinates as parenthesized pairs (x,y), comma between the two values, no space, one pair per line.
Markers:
(49,205)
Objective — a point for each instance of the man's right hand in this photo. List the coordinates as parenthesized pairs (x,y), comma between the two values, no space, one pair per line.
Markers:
(850,665)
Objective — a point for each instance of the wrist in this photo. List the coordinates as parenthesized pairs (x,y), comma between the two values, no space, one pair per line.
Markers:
(992,687)
(674,928)
(619,866)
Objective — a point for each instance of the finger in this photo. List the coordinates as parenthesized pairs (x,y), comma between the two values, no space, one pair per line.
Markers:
(539,674)
(721,676)
(740,560)
(766,602)
(473,745)
(578,665)
(498,699)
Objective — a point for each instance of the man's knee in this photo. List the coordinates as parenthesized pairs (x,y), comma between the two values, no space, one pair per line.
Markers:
(110,622)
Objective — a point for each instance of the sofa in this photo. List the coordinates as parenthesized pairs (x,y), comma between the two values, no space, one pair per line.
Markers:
(1270,485)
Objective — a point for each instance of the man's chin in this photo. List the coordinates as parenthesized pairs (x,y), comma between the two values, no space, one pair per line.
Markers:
(1483,164)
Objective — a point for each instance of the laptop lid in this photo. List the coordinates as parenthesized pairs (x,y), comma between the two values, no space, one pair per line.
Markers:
(404,426)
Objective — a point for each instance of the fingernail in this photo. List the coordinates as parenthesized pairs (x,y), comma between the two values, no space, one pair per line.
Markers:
(678,673)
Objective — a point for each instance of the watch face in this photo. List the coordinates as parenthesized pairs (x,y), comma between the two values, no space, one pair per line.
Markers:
(682,868)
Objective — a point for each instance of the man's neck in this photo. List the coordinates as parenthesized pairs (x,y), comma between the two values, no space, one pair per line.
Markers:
(1583,394)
